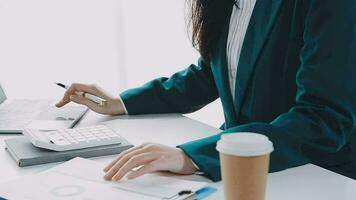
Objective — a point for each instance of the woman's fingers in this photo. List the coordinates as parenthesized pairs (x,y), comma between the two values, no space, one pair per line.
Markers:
(84,101)
(134,162)
(148,168)
(122,160)
(92,89)
(151,158)
(108,167)
(78,87)
(88,88)
(66,98)
(98,91)
(74,93)
(90,104)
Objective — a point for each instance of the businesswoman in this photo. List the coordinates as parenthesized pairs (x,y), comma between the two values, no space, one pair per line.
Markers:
(282,68)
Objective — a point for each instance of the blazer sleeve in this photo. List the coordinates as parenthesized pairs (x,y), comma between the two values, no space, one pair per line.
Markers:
(323,118)
(185,91)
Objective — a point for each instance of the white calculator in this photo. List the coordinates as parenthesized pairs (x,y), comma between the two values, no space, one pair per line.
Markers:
(70,139)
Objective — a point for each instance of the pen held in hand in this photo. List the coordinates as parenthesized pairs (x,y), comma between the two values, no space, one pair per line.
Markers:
(95,99)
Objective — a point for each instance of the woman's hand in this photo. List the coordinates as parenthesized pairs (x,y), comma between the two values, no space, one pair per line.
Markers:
(112,107)
(150,158)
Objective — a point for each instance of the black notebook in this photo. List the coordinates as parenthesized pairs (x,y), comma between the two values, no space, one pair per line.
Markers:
(25,154)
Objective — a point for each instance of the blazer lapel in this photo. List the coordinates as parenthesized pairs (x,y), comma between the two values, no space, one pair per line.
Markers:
(220,71)
(261,23)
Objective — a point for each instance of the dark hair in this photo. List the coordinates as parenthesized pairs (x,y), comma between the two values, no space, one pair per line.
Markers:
(206,19)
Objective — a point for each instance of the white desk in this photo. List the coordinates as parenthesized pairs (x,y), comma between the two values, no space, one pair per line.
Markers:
(308,182)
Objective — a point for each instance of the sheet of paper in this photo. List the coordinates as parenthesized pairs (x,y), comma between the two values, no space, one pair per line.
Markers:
(159,186)
(51,185)
(82,179)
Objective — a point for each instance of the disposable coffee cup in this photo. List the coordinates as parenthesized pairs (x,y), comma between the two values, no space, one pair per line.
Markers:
(244,159)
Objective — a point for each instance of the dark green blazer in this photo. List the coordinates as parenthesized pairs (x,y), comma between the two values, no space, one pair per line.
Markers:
(296,84)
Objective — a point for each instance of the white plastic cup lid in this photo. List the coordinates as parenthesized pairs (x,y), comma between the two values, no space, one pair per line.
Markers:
(244,144)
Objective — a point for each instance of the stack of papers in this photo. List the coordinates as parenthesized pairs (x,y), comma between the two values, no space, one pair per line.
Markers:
(83,179)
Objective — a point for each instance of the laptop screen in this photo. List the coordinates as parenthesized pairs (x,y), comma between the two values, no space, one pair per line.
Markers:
(2,95)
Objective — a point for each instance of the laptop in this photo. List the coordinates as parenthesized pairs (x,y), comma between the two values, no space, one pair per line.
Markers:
(17,114)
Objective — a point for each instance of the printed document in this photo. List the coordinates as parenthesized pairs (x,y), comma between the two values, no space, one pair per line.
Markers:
(83,179)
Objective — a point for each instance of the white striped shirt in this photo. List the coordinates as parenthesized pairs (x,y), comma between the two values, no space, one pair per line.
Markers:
(239,22)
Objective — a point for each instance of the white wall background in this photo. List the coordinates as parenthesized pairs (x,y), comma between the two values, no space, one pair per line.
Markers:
(117,44)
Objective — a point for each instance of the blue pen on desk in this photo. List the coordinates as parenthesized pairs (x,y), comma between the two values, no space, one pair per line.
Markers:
(98,100)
